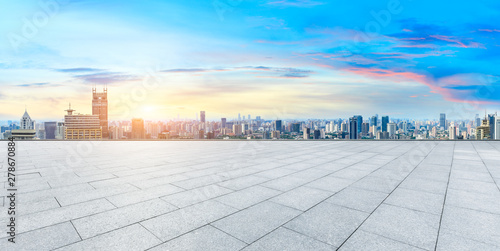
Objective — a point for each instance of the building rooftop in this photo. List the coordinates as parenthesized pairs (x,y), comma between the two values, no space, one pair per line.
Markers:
(255,195)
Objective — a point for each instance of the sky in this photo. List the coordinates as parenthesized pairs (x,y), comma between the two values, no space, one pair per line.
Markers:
(287,59)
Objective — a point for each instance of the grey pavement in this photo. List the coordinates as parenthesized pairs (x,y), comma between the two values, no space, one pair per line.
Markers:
(254,195)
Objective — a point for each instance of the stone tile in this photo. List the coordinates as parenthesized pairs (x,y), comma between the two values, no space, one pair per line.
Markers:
(96,224)
(58,215)
(65,200)
(252,223)
(58,235)
(176,223)
(424,185)
(285,239)
(371,183)
(451,242)
(362,240)
(285,183)
(405,225)
(478,201)
(247,197)
(121,200)
(331,184)
(479,226)
(359,199)
(328,223)
(204,238)
(243,182)
(417,200)
(301,198)
(196,195)
(134,237)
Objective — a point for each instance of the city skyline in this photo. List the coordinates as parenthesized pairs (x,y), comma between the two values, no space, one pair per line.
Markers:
(402,58)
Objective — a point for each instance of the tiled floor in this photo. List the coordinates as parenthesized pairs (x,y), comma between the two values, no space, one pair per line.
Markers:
(255,195)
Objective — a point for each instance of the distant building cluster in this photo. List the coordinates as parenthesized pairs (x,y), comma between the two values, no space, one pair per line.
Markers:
(96,126)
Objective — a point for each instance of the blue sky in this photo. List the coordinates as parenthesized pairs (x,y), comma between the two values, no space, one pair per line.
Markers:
(274,58)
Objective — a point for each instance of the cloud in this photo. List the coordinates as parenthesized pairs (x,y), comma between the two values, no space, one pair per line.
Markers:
(79,70)
(294,3)
(33,84)
(284,72)
(459,43)
(192,70)
(107,77)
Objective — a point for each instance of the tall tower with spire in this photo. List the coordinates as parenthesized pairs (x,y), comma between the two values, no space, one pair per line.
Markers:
(100,107)
(26,122)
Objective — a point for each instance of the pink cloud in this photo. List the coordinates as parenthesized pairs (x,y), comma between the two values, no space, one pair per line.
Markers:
(452,39)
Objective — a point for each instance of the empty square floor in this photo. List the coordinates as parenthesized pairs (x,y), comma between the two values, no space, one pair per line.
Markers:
(253,195)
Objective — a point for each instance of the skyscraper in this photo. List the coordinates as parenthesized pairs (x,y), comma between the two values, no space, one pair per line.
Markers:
(385,121)
(483,131)
(391,128)
(491,119)
(278,125)
(360,122)
(353,128)
(452,131)
(202,116)
(365,128)
(374,121)
(442,121)
(307,131)
(100,108)
(26,129)
(497,127)
(50,130)
(138,128)
(223,122)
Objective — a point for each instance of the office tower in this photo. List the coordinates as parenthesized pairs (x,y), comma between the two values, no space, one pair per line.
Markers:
(100,108)
(497,127)
(26,129)
(307,131)
(391,129)
(237,129)
(365,128)
(296,127)
(277,124)
(138,128)
(202,116)
(483,131)
(385,121)
(360,122)
(343,127)
(258,118)
(26,122)
(442,121)
(452,131)
(353,128)
(50,130)
(275,134)
(478,120)
(316,134)
(374,121)
(249,118)
(223,123)
(491,119)
(60,130)
(239,117)
(80,126)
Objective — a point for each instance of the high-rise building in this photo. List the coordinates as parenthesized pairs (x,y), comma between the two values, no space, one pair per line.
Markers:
(202,116)
(81,126)
(237,129)
(365,128)
(307,131)
(491,119)
(478,120)
(442,121)
(374,121)
(296,127)
(317,134)
(138,128)
(385,121)
(353,128)
(100,108)
(26,129)
(497,127)
(483,131)
(391,129)
(277,124)
(50,130)
(223,123)
(452,131)
(359,118)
